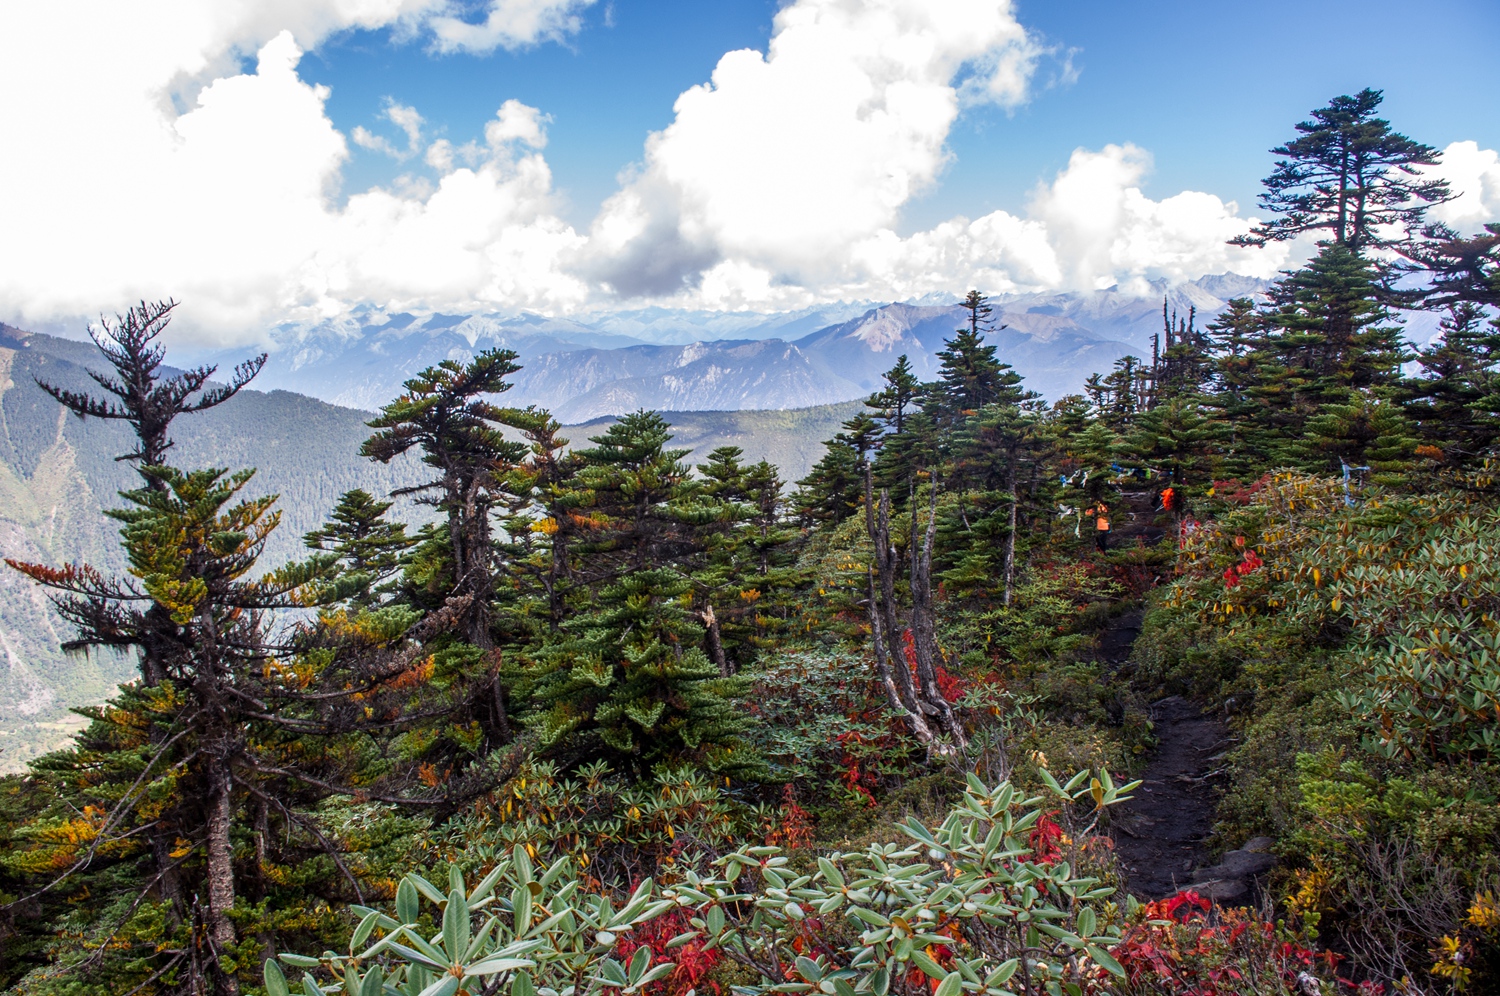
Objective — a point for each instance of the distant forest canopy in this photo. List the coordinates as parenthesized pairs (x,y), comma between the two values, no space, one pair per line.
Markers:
(609,722)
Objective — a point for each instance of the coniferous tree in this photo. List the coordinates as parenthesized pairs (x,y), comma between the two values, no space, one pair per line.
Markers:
(901,392)
(716,514)
(1120,394)
(830,492)
(142,396)
(1238,342)
(629,681)
(994,450)
(1348,177)
(1456,400)
(443,413)
(190,550)
(1331,340)
(633,480)
(1176,438)
(543,521)
(369,547)
(1461,269)
(1183,365)
(970,375)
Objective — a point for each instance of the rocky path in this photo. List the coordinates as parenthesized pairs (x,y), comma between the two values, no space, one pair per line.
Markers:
(1161,833)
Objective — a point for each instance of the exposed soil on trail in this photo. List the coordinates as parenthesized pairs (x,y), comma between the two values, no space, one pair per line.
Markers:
(1115,642)
(1160,832)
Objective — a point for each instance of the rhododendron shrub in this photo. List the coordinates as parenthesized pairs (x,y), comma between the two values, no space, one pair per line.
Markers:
(987,902)
(1184,946)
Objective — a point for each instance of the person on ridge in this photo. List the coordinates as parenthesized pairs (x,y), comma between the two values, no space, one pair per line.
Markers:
(1100,512)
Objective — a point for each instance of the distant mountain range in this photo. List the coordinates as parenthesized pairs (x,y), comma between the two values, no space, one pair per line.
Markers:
(593,366)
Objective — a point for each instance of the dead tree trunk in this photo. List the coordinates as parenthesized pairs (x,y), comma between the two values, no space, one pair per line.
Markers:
(221,863)
(891,667)
(715,640)
(923,626)
(906,706)
(887,566)
(1010,537)
(879,528)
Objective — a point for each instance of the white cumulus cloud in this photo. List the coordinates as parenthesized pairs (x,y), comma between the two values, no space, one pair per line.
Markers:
(123,182)
(786,157)
(509,24)
(403,117)
(1473,174)
(1090,228)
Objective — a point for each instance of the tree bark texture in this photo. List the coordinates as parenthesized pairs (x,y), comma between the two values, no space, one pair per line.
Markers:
(715,640)
(923,626)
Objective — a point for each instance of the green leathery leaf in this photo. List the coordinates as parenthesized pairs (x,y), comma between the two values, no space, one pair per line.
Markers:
(1106,960)
(490,966)
(456,924)
(924,961)
(427,889)
(520,903)
(487,885)
(276,984)
(407,902)
(363,931)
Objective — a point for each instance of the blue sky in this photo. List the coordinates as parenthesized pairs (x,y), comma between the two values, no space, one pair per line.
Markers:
(273,161)
(1206,87)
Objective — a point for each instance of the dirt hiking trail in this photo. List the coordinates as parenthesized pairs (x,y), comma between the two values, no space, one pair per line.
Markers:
(1161,834)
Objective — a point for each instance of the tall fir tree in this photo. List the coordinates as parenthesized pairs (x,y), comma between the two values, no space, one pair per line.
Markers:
(970,375)
(629,682)
(1349,178)
(444,414)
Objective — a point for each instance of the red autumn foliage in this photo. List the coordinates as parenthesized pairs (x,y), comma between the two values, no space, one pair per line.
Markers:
(693,963)
(1045,839)
(856,776)
(795,831)
(950,685)
(1234,572)
(1236,493)
(1185,946)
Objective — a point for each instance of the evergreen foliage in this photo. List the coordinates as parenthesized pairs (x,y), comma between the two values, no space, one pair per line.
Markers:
(369,547)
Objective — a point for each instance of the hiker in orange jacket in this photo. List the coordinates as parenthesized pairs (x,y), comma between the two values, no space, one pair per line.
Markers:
(1100,512)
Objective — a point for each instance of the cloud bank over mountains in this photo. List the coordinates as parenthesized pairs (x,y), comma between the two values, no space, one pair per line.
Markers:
(146,159)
